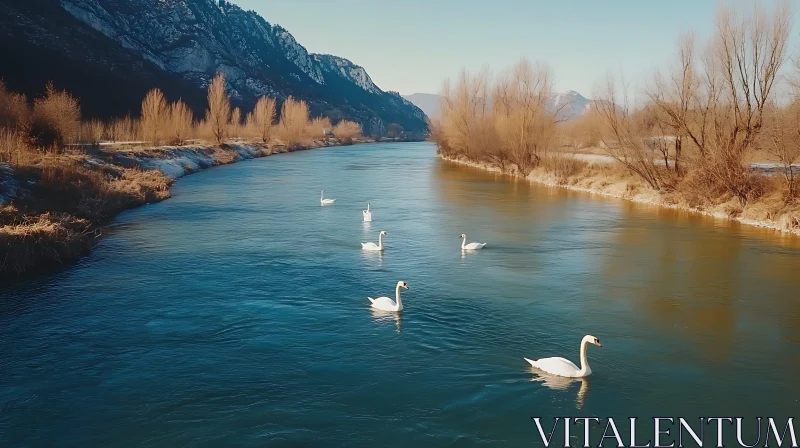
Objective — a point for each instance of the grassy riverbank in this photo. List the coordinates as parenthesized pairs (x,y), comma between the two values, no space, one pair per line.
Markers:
(63,177)
(613,180)
(54,207)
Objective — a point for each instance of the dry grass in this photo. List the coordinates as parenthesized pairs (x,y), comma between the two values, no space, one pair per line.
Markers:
(563,167)
(91,132)
(28,241)
(124,129)
(14,146)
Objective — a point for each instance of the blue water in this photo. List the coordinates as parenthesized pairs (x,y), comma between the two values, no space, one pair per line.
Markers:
(235,313)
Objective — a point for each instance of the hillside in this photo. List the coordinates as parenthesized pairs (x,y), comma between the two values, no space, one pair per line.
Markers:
(110,52)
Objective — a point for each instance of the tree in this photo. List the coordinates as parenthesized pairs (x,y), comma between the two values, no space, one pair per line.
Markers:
(262,119)
(236,123)
(56,117)
(294,122)
(394,130)
(525,126)
(181,119)
(155,116)
(718,105)
(218,114)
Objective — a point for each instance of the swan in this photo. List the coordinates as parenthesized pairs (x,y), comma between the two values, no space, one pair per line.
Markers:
(367,214)
(564,367)
(470,246)
(373,246)
(323,201)
(387,304)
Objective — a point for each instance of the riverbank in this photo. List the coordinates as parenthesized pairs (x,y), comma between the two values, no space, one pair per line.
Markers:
(53,209)
(612,180)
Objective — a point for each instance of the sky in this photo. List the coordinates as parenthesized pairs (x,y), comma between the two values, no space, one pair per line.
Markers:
(414,45)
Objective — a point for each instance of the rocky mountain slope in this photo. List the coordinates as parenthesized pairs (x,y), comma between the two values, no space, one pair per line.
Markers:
(567,105)
(110,52)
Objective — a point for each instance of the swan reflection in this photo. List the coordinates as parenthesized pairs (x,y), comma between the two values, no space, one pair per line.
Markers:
(373,255)
(380,316)
(561,383)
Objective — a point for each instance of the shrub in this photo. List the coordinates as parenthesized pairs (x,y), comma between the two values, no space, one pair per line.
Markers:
(345,131)
(56,117)
(316,128)
(14,109)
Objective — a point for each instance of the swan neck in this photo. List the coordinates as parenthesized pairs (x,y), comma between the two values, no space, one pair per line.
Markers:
(463,242)
(584,361)
(397,297)
(380,246)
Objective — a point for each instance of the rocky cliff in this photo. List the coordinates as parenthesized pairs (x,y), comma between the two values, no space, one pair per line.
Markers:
(110,52)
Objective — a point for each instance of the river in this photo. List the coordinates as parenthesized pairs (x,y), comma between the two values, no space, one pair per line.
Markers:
(236,313)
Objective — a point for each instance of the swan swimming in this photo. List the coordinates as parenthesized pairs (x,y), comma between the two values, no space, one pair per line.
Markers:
(373,246)
(565,367)
(387,304)
(470,246)
(323,201)
(367,214)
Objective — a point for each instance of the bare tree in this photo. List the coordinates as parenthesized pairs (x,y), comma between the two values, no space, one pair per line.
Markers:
(524,124)
(782,140)
(463,107)
(294,122)
(719,107)
(218,114)
(181,119)
(623,136)
(56,117)
(155,116)
(262,119)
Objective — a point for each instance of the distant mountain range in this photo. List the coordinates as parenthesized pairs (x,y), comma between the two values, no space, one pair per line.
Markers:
(567,105)
(110,52)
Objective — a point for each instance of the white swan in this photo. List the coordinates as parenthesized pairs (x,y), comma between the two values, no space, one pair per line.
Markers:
(387,304)
(470,246)
(373,246)
(367,214)
(323,201)
(564,367)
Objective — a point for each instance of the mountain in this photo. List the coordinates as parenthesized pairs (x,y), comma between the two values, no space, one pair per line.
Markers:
(566,105)
(569,105)
(428,102)
(110,52)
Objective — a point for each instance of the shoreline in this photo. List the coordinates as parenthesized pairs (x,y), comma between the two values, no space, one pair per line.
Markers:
(51,240)
(632,191)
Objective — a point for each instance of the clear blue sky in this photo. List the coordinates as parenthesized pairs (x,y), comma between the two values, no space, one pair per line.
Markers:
(413,45)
